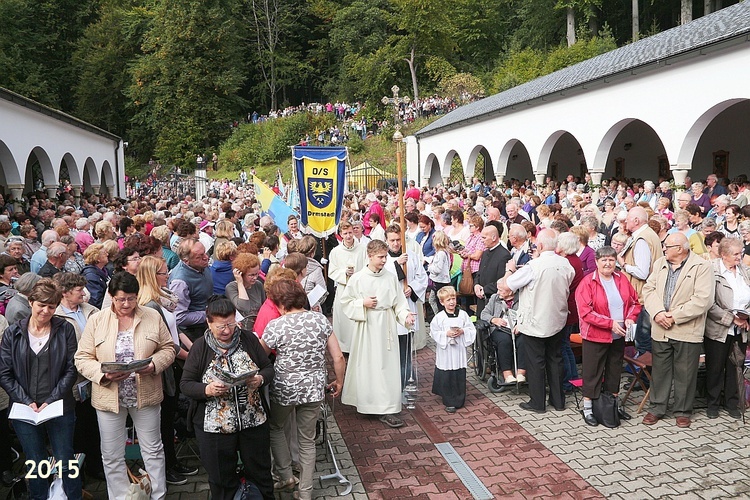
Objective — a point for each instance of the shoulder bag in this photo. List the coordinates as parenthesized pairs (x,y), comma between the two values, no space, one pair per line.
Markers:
(466,285)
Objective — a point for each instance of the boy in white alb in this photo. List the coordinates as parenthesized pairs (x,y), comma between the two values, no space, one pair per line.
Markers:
(453,332)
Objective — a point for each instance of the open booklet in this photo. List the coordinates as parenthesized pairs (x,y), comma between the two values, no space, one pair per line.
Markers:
(231,379)
(133,366)
(24,413)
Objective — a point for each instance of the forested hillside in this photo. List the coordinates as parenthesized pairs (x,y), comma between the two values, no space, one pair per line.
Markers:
(171,76)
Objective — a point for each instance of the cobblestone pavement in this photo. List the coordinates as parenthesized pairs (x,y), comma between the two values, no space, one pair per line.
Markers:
(517,454)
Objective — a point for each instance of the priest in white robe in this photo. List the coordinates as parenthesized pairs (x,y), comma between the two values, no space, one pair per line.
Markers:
(414,291)
(345,260)
(375,300)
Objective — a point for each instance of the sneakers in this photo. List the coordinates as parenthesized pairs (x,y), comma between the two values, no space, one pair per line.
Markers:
(521,378)
(174,478)
(510,379)
(185,470)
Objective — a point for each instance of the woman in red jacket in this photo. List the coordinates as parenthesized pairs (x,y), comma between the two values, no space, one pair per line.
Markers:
(607,307)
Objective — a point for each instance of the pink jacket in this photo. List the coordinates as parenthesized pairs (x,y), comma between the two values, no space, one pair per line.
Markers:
(593,307)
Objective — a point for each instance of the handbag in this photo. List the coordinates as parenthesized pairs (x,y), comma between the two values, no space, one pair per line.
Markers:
(605,410)
(140,486)
(466,285)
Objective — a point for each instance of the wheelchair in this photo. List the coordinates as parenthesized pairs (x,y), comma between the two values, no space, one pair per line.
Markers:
(486,366)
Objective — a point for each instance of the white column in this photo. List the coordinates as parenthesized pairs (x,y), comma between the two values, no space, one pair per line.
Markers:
(540,179)
(16,191)
(679,178)
(596,179)
(111,191)
(499,178)
(425,182)
(468,179)
(77,194)
(446,181)
(96,189)
(51,192)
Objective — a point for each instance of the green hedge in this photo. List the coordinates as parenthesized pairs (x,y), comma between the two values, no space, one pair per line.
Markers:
(254,145)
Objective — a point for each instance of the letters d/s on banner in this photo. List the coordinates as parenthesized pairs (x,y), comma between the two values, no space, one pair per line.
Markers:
(321,179)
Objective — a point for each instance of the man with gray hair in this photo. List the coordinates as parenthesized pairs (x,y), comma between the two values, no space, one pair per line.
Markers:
(677,295)
(544,284)
(713,188)
(518,244)
(57,254)
(40,256)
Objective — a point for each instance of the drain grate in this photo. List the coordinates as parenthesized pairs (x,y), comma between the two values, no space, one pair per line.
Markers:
(477,489)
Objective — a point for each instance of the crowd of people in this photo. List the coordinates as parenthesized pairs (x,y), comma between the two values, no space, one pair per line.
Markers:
(219,305)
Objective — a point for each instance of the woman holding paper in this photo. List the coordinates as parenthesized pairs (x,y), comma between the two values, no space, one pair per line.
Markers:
(725,325)
(228,419)
(123,333)
(37,370)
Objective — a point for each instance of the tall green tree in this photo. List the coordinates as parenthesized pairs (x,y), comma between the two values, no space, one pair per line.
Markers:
(185,84)
(37,41)
(102,59)
(425,29)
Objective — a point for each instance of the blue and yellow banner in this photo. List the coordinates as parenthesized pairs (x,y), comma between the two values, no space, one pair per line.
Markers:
(321,179)
(272,205)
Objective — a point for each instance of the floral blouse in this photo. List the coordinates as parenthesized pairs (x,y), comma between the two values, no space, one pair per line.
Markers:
(241,408)
(125,353)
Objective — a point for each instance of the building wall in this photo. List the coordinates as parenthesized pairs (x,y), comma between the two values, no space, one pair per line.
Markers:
(677,100)
(23,131)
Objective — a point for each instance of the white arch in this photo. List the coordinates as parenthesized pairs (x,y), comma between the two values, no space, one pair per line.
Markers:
(502,162)
(108,177)
(49,173)
(470,166)
(445,168)
(428,164)
(605,145)
(91,175)
(542,166)
(74,171)
(690,144)
(9,166)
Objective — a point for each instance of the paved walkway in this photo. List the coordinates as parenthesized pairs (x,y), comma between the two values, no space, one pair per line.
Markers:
(517,454)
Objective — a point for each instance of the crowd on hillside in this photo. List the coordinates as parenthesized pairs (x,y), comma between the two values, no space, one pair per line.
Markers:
(218,304)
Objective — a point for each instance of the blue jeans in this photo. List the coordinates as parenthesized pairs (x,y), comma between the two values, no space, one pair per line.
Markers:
(60,432)
(570,369)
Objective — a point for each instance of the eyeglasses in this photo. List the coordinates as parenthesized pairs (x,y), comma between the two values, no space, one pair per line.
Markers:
(221,328)
(667,247)
(125,300)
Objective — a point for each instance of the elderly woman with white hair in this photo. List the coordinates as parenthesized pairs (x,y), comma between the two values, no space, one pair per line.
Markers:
(649,195)
(83,236)
(607,306)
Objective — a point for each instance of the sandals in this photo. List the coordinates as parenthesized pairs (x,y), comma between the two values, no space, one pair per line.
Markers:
(392,421)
